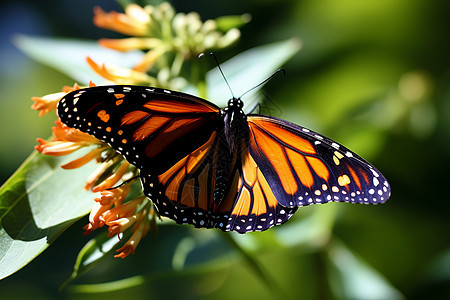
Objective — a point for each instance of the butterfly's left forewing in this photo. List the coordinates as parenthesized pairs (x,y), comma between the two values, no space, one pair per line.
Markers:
(153,128)
(303,167)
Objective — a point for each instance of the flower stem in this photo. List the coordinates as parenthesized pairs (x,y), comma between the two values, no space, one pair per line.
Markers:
(266,279)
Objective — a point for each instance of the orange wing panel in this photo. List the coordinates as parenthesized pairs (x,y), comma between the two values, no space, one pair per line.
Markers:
(179,107)
(203,192)
(149,127)
(274,152)
(318,167)
(354,176)
(301,168)
(133,117)
(287,137)
(242,206)
(188,193)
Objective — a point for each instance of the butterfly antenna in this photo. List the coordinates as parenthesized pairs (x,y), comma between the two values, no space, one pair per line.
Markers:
(220,69)
(261,83)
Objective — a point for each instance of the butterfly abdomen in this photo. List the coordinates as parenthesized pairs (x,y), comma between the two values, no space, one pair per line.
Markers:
(222,172)
(235,129)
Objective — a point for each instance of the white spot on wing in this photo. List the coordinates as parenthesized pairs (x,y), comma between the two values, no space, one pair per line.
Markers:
(375,181)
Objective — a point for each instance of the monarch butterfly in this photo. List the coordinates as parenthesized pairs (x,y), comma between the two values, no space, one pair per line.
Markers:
(213,167)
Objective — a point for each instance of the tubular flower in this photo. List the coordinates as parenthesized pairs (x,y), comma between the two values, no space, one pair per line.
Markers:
(140,229)
(121,75)
(113,178)
(48,103)
(100,171)
(66,140)
(135,21)
(119,216)
(111,207)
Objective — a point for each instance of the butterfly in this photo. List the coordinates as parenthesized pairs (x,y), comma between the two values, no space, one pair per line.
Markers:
(221,168)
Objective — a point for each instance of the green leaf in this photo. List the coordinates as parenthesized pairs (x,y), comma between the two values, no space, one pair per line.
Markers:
(92,253)
(247,69)
(69,56)
(37,204)
(352,278)
(312,230)
(226,23)
(175,251)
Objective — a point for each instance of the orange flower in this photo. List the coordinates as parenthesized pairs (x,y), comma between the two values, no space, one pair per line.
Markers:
(101,169)
(140,229)
(132,43)
(66,141)
(115,196)
(134,22)
(56,148)
(120,225)
(112,179)
(124,210)
(62,132)
(46,103)
(94,154)
(95,217)
(121,75)
(149,59)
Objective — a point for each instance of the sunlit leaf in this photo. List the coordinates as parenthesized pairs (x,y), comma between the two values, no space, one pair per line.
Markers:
(313,230)
(69,56)
(246,70)
(37,204)
(352,278)
(92,253)
(226,23)
(175,251)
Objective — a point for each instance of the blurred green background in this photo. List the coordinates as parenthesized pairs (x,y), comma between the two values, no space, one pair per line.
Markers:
(372,75)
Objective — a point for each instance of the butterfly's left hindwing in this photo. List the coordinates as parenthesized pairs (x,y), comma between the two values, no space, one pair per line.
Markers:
(303,167)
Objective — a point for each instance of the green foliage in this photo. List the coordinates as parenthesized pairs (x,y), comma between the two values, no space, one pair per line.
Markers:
(37,204)
(371,75)
(54,53)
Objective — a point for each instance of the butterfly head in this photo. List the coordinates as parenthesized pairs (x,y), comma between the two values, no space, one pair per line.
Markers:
(235,125)
(235,103)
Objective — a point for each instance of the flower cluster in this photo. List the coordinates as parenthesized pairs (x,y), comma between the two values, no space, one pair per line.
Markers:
(168,39)
(111,207)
